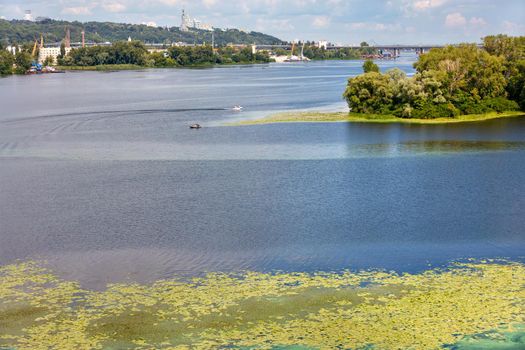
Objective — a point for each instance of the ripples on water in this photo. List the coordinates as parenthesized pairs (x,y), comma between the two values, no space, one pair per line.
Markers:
(101,177)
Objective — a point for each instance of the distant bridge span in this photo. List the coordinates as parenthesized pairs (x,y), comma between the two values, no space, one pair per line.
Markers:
(396,47)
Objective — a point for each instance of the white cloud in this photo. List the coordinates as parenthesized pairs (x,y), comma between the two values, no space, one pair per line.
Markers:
(114,7)
(455,19)
(374,26)
(387,21)
(513,28)
(275,24)
(358,25)
(169,2)
(426,4)
(79,10)
(321,21)
(477,21)
(209,3)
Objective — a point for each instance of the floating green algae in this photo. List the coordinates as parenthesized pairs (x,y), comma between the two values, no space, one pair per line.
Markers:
(458,305)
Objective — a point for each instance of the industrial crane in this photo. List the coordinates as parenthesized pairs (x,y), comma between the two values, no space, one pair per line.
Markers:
(37,67)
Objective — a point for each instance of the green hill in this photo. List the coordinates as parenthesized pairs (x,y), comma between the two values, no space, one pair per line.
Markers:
(17,31)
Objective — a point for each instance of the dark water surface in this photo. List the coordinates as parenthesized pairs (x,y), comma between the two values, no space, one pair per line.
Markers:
(100,176)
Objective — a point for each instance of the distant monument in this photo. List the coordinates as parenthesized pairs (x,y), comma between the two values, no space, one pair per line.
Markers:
(187,22)
(28,16)
(184,22)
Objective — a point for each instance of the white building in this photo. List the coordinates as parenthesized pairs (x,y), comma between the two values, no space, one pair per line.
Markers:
(202,26)
(28,16)
(54,52)
(13,49)
(150,24)
(323,44)
(187,22)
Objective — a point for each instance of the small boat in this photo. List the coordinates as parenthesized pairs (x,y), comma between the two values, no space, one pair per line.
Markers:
(237,108)
(195,126)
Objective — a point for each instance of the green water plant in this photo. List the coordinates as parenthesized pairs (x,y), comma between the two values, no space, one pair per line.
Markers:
(252,310)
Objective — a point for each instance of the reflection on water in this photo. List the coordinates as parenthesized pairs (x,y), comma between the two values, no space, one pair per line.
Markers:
(96,268)
(162,151)
(101,176)
(433,147)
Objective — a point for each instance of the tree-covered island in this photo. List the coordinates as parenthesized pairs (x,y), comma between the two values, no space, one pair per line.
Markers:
(449,82)
(452,84)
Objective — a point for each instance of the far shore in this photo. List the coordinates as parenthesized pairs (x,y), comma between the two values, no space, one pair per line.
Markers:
(107,67)
(116,67)
(341,117)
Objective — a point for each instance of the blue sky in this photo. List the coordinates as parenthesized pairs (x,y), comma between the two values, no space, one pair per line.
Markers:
(340,21)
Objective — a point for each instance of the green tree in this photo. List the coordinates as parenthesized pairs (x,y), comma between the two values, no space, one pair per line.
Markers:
(449,82)
(159,59)
(281,52)
(49,61)
(6,62)
(62,50)
(516,86)
(467,70)
(370,66)
(369,93)
(22,62)
(512,50)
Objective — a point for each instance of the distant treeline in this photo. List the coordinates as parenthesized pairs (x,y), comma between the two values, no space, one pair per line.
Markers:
(314,52)
(18,63)
(135,53)
(451,81)
(17,31)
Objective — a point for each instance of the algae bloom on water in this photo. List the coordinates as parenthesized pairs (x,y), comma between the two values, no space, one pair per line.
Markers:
(480,304)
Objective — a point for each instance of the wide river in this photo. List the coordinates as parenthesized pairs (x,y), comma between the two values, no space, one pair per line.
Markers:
(101,177)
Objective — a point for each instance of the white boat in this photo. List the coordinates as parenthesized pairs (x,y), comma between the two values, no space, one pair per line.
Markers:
(237,108)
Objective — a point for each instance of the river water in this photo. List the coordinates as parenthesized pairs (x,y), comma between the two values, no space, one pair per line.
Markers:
(101,177)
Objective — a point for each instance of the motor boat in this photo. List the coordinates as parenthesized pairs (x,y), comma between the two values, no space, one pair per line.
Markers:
(195,126)
(237,108)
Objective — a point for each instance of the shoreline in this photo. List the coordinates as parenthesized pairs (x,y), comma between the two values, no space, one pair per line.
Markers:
(123,67)
(345,117)
(118,67)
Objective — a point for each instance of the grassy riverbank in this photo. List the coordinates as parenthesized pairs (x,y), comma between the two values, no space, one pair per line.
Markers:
(320,117)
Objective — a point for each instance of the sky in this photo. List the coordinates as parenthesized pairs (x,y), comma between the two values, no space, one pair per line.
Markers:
(338,21)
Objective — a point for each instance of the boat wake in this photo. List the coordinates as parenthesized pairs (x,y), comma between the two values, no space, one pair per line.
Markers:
(110,112)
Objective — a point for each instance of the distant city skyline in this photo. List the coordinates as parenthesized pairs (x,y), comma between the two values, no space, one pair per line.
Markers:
(346,22)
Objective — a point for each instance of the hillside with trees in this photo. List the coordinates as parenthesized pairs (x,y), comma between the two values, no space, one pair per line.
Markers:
(452,81)
(18,31)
